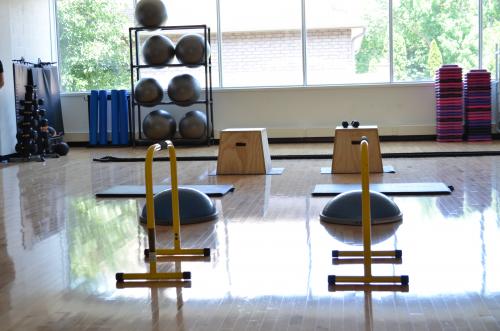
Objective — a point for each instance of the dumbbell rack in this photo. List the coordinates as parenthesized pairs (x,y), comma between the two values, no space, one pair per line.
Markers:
(33,141)
(138,137)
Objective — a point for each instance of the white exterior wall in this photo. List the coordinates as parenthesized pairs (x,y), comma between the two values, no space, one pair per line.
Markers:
(302,111)
(7,110)
(26,30)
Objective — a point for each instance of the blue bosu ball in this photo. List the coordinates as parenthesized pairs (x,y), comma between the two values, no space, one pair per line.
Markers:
(346,209)
(194,207)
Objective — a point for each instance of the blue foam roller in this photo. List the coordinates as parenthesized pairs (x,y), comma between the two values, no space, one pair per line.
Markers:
(115,120)
(123,117)
(93,111)
(103,117)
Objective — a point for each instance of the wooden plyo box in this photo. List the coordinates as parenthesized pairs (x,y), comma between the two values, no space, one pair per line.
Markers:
(346,151)
(243,151)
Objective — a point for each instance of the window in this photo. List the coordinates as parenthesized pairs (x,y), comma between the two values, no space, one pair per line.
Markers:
(93,44)
(491,33)
(261,42)
(347,41)
(428,33)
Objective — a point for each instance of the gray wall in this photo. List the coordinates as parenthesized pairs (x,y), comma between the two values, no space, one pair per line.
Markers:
(302,112)
(7,110)
(25,31)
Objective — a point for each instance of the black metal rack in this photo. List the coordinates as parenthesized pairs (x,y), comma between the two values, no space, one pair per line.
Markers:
(135,75)
(34,140)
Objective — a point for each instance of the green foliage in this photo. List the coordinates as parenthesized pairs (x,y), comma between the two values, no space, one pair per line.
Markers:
(491,32)
(435,59)
(450,24)
(400,58)
(93,45)
(372,47)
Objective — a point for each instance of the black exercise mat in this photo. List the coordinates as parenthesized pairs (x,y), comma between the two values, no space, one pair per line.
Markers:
(387,169)
(310,156)
(430,188)
(139,191)
(143,159)
(274,171)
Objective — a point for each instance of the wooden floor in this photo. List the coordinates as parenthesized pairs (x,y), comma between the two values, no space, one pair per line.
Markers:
(60,248)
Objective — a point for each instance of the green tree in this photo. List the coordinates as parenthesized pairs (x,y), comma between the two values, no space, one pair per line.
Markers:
(435,59)
(374,42)
(450,23)
(93,44)
(400,57)
(491,32)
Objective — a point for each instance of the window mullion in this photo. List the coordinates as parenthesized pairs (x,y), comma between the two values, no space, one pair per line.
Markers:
(391,45)
(304,43)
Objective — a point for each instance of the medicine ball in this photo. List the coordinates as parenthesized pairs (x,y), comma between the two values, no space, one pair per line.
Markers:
(148,92)
(190,49)
(61,148)
(184,90)
(158,125)
(193,125)
(150,13)
(158,50)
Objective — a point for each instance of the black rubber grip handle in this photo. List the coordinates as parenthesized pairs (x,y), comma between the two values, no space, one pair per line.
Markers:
(163,145)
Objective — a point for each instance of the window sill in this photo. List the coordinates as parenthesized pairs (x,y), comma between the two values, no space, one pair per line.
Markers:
(297,87)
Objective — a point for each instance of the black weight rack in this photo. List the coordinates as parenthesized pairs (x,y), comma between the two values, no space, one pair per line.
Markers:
(34,141)
(138,137)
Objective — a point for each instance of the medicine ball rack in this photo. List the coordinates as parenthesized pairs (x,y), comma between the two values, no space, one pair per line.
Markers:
(135,74)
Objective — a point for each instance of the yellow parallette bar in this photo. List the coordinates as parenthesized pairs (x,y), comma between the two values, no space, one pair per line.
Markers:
(367,280)
(361,253)
(181,251)
(156,276)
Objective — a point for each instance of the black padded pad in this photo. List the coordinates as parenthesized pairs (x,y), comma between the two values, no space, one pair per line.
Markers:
(273,171)
(139,191)
(387,169)
(386,188)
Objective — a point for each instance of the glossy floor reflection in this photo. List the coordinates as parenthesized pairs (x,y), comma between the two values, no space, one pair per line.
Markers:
(60,248)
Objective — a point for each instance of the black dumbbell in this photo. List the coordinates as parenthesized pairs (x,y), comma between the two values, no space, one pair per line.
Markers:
(31,134)
(44,122)
(20,148)
(345,124)
(52,131)
(355,124)
(33,148)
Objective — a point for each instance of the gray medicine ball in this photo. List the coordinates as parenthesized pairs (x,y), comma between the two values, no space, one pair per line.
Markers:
(184,90)
(158,50)
(159,125)
(190,49)
(148,92)
(193,125)
(150,13)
